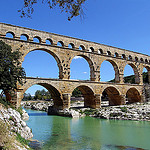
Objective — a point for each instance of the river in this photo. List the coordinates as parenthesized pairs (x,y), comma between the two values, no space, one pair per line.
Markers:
(62,133)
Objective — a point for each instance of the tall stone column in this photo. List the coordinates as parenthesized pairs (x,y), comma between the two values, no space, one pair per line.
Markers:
(66,100)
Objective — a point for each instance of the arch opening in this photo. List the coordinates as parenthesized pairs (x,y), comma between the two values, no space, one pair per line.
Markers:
(100,51)
(109,71)
(10,35)
(81,47)
(24,37)
(116,55)
(112,96)
(131,74)
(133,96)
(84,97)
(91,49)
(123,56)
(37,39)
(49,42)
(71,45)
(43,91)
(60,44)
(42,63)
(108,53)
(146,75)
(86,69)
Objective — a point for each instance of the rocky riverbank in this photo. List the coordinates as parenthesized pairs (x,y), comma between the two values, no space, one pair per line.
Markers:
(136,111)
(13,129)
(37,105)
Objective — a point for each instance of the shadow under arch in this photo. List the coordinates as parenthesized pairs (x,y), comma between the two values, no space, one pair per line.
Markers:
(88,94)
(136,73)
(133,95)
(55,93)
(113,96)
(91,66)
(115,66)
(146,75)
(55,57)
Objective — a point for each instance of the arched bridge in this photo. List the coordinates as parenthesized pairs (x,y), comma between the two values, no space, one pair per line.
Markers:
(64,49)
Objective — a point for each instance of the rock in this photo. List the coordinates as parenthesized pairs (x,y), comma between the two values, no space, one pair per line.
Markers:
(25,115)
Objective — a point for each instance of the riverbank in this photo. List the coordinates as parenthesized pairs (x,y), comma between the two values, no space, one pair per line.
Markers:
(136,111)
(14,132)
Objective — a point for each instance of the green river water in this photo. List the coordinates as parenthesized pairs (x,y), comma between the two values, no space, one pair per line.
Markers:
(62,133)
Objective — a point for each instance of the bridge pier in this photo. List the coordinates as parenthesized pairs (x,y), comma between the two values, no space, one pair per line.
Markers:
(66,100)
(92,101)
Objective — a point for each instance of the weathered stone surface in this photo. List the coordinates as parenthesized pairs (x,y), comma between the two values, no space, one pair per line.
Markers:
(62,88)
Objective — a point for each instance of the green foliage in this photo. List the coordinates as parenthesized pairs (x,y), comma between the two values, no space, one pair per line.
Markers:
(89,112)
(5,102)
(131,79)
(76,93)
(72,7)
(22,140)
(11,71)
(5,139)
(124,109)
(42,95)
(27,97)
(19,109)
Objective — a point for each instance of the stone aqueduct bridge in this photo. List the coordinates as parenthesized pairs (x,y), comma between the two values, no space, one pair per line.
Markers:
(94,53)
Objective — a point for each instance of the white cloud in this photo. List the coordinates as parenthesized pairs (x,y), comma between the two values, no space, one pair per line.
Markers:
(77,57)
(85,72)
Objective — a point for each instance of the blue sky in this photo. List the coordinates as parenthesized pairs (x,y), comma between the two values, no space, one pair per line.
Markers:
(120,23)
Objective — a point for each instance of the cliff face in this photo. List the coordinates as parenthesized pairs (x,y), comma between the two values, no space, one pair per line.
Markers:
(13,127)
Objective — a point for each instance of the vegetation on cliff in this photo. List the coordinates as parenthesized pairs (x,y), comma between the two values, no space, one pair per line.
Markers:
(11,71)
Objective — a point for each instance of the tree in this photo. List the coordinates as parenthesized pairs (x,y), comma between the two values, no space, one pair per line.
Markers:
(72,7)
(42,95)
(11,71)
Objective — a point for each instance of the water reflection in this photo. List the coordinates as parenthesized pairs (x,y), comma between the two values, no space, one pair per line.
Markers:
(89,133)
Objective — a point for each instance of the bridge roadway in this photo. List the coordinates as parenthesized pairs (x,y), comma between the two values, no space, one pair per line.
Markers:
(61,91)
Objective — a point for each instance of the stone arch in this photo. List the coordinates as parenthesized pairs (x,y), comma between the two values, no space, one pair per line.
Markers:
(91,65)
(81,47)
(59,64)
(130,57)
(136,73)
(24,36)
(71,45)
(108,53)
(88,94)
(113,95)
(55,93)
(11,34)
(133,95)
(60,44)
(49,41)
(115,66)
(37,39)
(141,59)
(116,55)
(148,73)
(146,61)
(136,59)
(123,56)
(100,51)
(91,49)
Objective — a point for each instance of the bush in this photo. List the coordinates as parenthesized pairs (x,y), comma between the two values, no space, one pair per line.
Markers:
(124,109)
(22,140)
